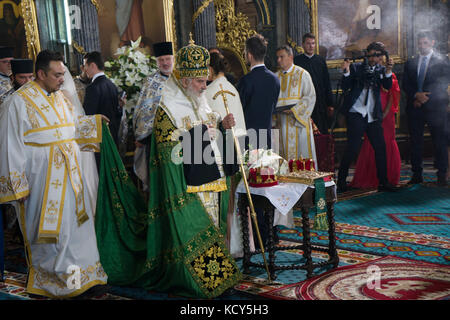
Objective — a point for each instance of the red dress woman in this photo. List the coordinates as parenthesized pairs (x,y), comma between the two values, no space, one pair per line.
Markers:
(366,172)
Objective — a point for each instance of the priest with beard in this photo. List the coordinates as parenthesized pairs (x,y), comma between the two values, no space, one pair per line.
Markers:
(144,112)
(22,72)
(183,233)
(317,68)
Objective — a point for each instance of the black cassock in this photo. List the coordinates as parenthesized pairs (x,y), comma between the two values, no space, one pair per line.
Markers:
(317,68)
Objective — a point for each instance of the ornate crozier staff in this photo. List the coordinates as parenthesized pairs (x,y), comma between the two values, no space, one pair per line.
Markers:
(241,165)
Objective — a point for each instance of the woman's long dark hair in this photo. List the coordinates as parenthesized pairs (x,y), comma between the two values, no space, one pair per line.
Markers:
(217,62)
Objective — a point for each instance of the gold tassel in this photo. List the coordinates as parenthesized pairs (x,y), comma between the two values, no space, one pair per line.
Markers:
(320,221)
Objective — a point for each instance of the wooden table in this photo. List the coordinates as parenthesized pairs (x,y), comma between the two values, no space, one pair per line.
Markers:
(304,204)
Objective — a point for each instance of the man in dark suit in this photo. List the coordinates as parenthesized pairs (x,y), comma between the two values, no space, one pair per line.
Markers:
(361,84)
(425,81)
(101,96)
(317,68)
(259,90)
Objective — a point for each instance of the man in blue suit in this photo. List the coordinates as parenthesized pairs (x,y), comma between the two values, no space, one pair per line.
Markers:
(259,90)
(425,82)
(361,84)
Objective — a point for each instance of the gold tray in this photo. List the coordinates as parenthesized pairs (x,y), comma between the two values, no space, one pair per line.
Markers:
(304,177)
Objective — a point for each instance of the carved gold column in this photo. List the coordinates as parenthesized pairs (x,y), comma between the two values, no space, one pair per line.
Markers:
(232,30)
(169,23)
(31,28)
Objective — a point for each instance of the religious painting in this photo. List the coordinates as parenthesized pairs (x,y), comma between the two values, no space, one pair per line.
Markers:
(345,28)
(122,21)
(248,8)
(12,31)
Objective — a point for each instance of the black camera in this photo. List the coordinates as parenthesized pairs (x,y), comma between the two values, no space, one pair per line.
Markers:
(370,75)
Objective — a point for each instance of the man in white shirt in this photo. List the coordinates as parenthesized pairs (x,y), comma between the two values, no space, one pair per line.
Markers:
(361,84)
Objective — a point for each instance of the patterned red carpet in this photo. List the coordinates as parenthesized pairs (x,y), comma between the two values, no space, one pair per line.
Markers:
(14,288)
(387,278)
(367,241)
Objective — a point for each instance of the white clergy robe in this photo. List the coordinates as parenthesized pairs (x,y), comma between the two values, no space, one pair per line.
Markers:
(6,95)
(233,101)
(40,143)
(297,137)
(5,84)
(235,107)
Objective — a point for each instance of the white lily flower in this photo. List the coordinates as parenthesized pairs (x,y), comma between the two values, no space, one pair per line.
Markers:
(135,44)
(121,50)
(131,68)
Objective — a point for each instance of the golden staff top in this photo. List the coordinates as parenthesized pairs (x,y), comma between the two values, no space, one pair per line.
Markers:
(241,165)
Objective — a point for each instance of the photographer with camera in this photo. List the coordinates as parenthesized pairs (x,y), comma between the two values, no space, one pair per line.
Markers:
(361,84)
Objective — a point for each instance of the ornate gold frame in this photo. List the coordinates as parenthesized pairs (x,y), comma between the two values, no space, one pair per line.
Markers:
(401,58)
(29,15)
(232,30)
(28,8)
(265,13)
(401,49)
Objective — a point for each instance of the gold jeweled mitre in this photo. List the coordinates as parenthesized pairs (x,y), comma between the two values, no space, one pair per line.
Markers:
(192,61)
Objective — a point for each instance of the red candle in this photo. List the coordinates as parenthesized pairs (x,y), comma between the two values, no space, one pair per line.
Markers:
(308,164)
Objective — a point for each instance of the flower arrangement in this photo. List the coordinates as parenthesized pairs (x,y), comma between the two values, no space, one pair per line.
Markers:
(129,70)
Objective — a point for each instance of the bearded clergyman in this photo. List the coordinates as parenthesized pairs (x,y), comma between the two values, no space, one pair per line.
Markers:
(186,224)
(144,113)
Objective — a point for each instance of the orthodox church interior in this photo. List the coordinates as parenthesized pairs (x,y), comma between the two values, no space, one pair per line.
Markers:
(376,245)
